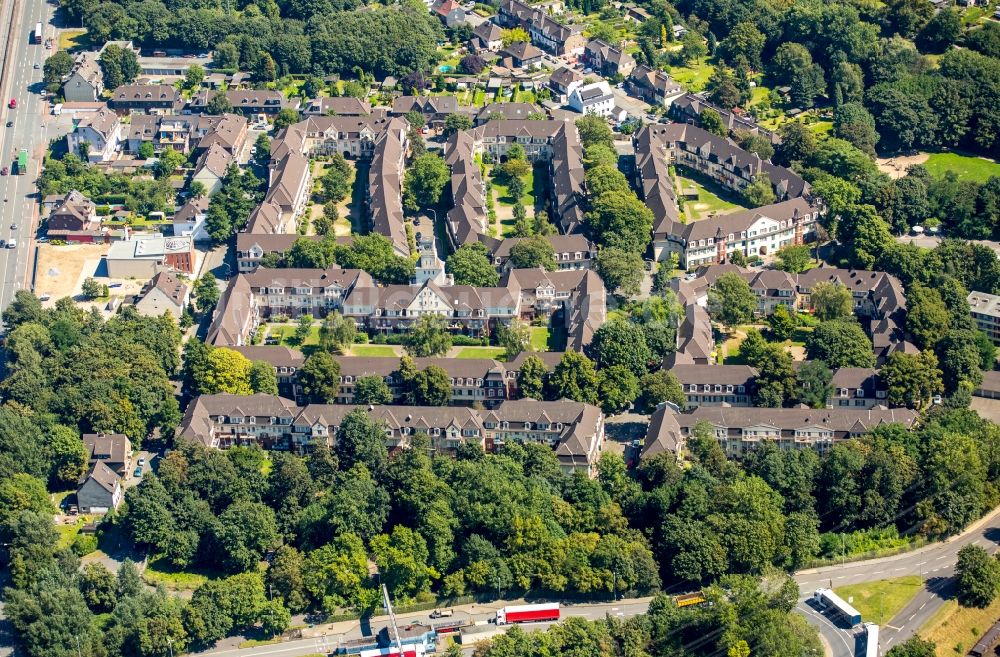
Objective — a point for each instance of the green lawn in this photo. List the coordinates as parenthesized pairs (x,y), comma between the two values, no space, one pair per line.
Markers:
(68,533)
(540,338)
(955,629)
(373,350)
(711,196)
(159,572)
(286,334)
(968,167)
(694,76)
(480,352)
(73,39)
(879,601)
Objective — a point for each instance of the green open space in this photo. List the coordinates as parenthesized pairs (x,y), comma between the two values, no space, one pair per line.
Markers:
(694,76)
(879,601)
(285,333)
(373,350)
(69,532)
(540,338)
(73,39)
(712,197)
(955,628)
(967,167)
(481,352)
(159,572)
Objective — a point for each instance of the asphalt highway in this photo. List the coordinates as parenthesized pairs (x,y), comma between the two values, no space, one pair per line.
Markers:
(23,82)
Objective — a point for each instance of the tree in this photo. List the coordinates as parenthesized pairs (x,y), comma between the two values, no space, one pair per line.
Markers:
(337,333)
(722,88)
(275,618)
(593,131)
(119,65)
(978,576)
(794,258)
(913,647)
(284,578)
(246,530)
(745,41)
(514,338)
(98,586)
(840,343)
(457,122)
(303,326)
(262,378)
(815,387)
(534,251)
(658,387)
(424,181)
(372,390)
(285,117)
(759,192)
(361,441)
(958,356)
(620,270)
(225,371)
(470,265)
(731,301)
(574,378)
(621,342)
(831,301)
(219,104)
(531,378)
(194,76)
(432,387)
(710,120)
(617,388)
(337,179)
(942,31)
(781,322)
(90,288)
(472,64)
(206,292)
(319,377)
(798,143)
(855,124)
(604,178)
(912,379)
(57,67)
(793,66)
(927,318)
(428,336)
(619,219)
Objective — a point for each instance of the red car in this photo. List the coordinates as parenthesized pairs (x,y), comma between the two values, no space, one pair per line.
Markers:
(4,171)
(12,104)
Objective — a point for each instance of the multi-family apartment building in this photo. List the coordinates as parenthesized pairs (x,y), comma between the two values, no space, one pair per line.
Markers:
(595,98)
(474,311)
(607,60)
(546,32)
(574,430)
(716,385)
(153,98)
(740,430)
(85,82)
(687,108)
(653,86)
(268,293)
(98,135)
(554,142)
(986,313)
(385,185)
(760,231)
(572,251)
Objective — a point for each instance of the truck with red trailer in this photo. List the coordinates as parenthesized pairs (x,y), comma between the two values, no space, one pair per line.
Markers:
(541,613)
(408,651)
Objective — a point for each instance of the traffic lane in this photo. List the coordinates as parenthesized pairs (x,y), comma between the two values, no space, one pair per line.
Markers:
(840,641)
(919,610)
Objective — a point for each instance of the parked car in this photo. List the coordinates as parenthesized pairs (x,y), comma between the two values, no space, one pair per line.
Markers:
(12,244)
(13,226)
(137,472)
(37,66)
(142,461)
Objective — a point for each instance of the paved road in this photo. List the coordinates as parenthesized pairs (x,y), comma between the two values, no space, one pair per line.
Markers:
(934,563)
(24,83)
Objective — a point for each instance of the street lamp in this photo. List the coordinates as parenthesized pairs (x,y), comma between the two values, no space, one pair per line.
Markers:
(496,578)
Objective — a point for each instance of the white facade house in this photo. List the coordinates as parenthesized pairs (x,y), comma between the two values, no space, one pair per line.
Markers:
(98,135)
(593,98)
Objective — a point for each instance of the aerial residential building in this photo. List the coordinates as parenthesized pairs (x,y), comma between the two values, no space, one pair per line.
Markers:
(593,98)
(546,32)
(573,251)
(211,168)
(74,213)
(152,98)
(100,491)
(739,430)
(434,108)
(114,449)
(653,86)
(164,293)
(573,429)
(385,185)
(565,80)
(986,312)
(505,111)
(450,12)
(143,257)
(189,220)
(716,385)
(487,37)
(521,55)
(607,60)
(96,137)
(337,106)
(85,82)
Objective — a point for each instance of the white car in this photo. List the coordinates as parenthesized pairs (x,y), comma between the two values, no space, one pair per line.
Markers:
(12,244)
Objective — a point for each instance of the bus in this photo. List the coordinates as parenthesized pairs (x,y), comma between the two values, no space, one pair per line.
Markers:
(871,640)
(36,37)
(22,162)
(827,598)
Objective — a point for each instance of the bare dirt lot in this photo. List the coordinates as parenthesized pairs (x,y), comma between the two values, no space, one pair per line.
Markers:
(895,167)
(61,269)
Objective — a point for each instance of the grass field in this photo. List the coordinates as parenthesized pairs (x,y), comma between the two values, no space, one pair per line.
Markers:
(480,352)
(968,167)
(711,197)
(68,533)
(373,350)
(694,77)
(73,39)
(158,572)
(955,629)
(540,338)
(879,601)
(286,334)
